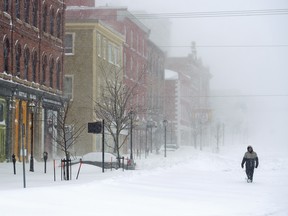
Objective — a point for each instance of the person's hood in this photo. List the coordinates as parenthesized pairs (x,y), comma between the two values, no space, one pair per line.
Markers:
(250,147)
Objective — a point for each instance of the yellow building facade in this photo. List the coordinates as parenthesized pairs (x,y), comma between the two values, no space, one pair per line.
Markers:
(88,45)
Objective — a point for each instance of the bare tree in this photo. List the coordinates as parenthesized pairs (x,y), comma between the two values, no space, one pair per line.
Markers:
(67,135)
(115,102)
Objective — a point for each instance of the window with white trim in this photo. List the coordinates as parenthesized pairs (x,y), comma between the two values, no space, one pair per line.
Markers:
(98,45)
(104,48)
(110,53)
(117,56)
(68,86)
(69,43)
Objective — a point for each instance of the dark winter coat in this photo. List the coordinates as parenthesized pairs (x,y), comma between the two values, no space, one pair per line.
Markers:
(250,159)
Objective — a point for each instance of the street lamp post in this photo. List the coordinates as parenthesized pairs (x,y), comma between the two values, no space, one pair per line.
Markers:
(32,105)
(150,125)
(131,129)
(165,122)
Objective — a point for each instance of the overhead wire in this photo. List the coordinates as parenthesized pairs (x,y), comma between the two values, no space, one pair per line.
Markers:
(263,12)
(204,14)
(207,14)
(234,96)
(228,46)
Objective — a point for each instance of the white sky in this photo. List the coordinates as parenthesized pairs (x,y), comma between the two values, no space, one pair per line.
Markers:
(251,70)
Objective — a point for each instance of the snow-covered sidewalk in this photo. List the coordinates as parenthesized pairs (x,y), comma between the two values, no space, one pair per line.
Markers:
(187,182)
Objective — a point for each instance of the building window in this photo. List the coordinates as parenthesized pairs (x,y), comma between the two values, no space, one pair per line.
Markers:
(69,43)
(27,9)
(6,6)
(17,59)
(34,66)
(143,45)
(26,63)
(124,63)
(98,42)
(35,13)
(52,14)
(131,65)
(6,55)
(17,8)
(68,86)
(59,25)
(137,71)
(44,66)
(44,18)
(51,70)
(2,113)
(137,43)
(117,56)
(131,39)
(110,53)
(104,48)
(58,72)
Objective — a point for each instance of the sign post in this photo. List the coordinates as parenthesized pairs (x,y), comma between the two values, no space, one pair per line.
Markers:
(97,128)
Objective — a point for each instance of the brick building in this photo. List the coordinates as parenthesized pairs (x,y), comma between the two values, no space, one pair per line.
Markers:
(135,34)
(136,51)
(31,70)
(156,90)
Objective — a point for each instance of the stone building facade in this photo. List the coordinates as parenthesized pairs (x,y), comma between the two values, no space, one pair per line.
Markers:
(90,45)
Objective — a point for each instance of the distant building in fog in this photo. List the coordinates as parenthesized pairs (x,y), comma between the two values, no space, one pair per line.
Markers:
(230,114)
(160,29)
(192,111)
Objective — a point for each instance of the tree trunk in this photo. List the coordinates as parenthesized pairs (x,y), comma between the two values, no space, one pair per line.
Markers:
(67,165)
(117,149)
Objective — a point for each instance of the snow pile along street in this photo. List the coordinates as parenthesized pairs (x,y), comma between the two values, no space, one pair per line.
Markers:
(187,182)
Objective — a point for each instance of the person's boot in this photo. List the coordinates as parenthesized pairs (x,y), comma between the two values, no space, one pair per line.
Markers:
(249,179)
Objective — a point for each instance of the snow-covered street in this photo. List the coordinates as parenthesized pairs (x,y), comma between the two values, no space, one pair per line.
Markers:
(188,182)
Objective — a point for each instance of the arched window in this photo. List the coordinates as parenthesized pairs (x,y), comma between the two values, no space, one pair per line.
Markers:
(58,25)
(44,18)
(34,66)
(58,74)
(18,53)
(17,9)
(6,6)
(26,62)
(44,66)
(35,13)
(27,9)
(51,71)
(6,55)
(52,15)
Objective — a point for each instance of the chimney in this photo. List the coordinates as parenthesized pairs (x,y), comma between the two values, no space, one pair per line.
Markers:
(86,3)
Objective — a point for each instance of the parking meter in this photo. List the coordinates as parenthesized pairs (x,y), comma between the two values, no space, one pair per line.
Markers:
(14,163)
(45,157)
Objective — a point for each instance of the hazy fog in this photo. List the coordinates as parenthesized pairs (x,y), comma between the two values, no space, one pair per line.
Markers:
(244,53)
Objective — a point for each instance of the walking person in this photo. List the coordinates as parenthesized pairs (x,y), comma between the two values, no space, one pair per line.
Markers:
(251,161)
